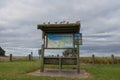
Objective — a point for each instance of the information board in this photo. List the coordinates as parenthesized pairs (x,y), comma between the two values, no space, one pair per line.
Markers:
(78,38)
(60,41)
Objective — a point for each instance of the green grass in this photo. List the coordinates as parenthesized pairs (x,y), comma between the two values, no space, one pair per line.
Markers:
(103,72)
(17,70)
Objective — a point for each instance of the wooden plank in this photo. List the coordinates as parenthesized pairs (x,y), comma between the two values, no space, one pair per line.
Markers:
(59,48)
(69,61)
(54,61)
(64,61)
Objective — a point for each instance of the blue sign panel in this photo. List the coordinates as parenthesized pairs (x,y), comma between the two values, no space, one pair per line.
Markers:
(60,41)
(78,38)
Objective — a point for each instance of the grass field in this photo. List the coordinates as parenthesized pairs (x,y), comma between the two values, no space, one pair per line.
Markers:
(17,70)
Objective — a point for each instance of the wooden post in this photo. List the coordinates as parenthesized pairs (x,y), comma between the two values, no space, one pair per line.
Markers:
(42,60)
(78,60)
(73,41)
(11,57)
(113,59)
(39,53)
(42,53)
(93,59)
(29,57)
(60,64)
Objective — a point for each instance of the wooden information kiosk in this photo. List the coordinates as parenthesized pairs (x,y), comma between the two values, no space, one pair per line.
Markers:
(60,36)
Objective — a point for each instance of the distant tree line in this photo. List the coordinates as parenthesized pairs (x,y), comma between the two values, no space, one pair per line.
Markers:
(70,53)
(2,52)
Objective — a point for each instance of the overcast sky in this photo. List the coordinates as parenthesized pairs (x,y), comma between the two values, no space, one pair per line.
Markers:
(99,24)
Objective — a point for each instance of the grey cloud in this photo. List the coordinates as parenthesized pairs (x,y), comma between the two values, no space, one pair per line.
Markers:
(19,19)
(101,50)
(3,3)
(21,51)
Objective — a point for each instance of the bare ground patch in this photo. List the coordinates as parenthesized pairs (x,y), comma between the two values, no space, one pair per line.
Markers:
(4,59)
(64,73)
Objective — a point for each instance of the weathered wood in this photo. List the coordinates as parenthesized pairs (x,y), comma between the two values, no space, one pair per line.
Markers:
(60,28)
(113,59)
(64,61)
(93,59)
(59,48)
(29,57)
(42,60)
(42,53)
(46,41)
(60,64)
(39,53)
(51,60)
(69,61)
(78,60)
(11,57)
(69,28)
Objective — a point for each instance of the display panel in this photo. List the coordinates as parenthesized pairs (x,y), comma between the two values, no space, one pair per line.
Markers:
(60,41)
(78,38)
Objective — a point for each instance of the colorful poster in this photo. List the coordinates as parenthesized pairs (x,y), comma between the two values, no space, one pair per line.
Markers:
(60,41)
(78,38)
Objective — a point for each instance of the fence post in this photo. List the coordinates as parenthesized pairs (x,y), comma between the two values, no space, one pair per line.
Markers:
(29,57)
(11,57)
(93,59)
(113,59)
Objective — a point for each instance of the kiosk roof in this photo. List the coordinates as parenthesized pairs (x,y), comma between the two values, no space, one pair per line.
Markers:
(59,28)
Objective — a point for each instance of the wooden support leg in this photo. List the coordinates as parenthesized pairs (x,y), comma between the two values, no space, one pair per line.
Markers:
(78,61)
(42,53)
(42,60)
(60,64)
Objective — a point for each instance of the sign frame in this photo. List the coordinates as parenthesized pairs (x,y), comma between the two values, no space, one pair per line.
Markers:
(78,39)
(66,35)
